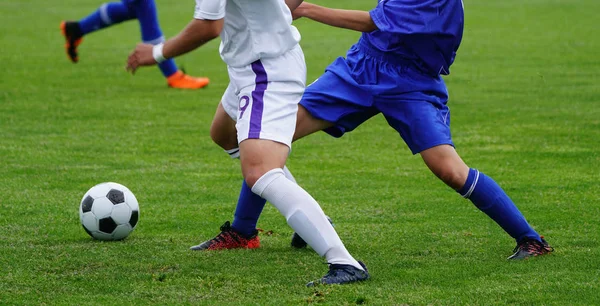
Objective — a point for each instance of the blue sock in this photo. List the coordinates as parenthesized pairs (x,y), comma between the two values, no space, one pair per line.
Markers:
(494,202)
(249,208)
(145,10)
(107,14)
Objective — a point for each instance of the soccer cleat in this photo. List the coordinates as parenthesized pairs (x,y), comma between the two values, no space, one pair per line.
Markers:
(229,239)
(184,81)
(342,274)
(73,37)
(298,242)
(528,247)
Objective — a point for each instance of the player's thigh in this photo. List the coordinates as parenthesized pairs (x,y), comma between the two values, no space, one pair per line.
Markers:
(222,129)
(307,124)
(334,104)
(421,124)
(425,128)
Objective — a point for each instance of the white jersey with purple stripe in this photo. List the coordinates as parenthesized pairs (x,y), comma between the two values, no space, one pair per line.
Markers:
(253,29)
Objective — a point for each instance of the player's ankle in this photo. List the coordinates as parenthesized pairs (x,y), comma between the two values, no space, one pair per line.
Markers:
(175,76)
(73,29)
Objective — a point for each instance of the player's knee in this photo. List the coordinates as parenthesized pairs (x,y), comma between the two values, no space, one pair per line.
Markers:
(253,171)
(445,163)
(259,156)
(252,175)
(452,176)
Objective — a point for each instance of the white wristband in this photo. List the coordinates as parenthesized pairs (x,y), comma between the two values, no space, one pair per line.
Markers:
(157,53)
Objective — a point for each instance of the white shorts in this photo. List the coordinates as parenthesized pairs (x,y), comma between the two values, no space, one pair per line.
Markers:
(263,97)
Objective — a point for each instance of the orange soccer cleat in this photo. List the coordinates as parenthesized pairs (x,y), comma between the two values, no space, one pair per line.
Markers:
(70,30)
(184,81)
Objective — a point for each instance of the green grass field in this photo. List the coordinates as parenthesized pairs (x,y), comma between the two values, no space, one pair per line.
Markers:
(525,110)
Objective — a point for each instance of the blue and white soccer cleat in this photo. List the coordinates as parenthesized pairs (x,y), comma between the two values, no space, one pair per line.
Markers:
(342,274)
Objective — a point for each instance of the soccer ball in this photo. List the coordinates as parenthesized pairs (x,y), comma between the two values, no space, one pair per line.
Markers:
(109,211)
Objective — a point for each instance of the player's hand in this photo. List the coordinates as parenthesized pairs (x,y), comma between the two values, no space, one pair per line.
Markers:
(141,56)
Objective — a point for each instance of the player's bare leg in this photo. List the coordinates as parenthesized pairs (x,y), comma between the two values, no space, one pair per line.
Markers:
(483,191)
(222,130)
(262,162)
(223,133)
(258,156)
(445,163)
(307,124)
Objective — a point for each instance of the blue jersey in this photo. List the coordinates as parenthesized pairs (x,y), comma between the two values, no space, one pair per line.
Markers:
(427,32)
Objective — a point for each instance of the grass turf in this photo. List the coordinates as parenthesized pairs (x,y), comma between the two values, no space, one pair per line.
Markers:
(524,100)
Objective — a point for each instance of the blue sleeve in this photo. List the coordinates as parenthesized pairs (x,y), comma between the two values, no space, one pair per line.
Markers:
(412,16)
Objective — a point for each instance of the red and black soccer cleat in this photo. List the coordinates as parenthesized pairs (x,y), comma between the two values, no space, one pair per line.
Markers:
(229,239)
(528,247)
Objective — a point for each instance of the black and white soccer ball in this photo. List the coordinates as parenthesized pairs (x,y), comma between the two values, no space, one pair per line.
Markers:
(109,211)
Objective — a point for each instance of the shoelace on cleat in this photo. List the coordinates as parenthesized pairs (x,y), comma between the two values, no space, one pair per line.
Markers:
(335,269)
(229,237)
(226,236)
(545,245)
(533,247)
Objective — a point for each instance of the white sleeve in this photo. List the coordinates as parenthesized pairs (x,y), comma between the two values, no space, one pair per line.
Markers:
(210,9)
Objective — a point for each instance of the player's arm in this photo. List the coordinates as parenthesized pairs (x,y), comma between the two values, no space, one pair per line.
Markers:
(293,4)
(195,34)
(348,19)
(206,25)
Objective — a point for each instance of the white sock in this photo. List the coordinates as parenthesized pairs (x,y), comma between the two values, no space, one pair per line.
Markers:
(288,175)
(233,153)
(304,215)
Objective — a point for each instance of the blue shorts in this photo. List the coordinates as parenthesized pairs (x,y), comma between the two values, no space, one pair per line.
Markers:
(367,83)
